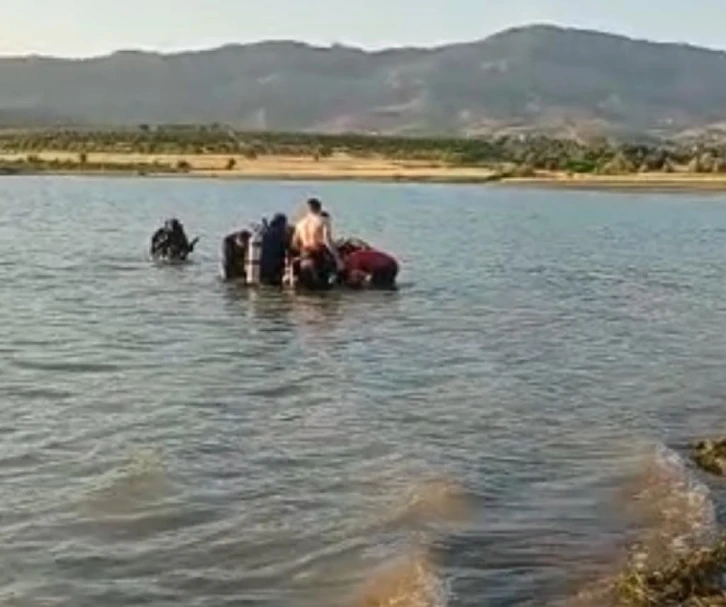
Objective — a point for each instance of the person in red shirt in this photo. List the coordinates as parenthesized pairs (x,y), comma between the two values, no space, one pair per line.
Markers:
(366,266)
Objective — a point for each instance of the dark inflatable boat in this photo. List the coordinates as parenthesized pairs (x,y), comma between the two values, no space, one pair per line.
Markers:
(261,256)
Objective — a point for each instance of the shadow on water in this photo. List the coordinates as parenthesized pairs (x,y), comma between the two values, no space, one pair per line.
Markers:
(171,264)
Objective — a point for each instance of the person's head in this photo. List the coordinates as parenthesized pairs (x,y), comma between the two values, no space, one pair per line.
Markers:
(345,247)
(174,225)
(279,221)
(242,238)
(315,206)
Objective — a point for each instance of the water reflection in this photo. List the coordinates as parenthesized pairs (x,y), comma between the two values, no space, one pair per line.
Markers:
(274,309)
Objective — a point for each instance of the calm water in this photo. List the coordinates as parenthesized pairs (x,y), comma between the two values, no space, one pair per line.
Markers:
(498,432)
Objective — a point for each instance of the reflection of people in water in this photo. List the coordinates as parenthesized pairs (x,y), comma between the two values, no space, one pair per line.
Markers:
(281,312)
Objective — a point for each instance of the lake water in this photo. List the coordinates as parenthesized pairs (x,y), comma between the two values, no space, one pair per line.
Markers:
(497,432)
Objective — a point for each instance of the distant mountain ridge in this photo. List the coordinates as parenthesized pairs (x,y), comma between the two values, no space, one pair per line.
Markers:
(542,78)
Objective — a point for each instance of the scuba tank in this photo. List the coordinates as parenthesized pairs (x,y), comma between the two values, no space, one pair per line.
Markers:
(254,256)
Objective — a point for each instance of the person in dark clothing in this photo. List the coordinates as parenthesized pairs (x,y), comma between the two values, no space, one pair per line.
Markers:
(234,254)
(274,251)
(170,242)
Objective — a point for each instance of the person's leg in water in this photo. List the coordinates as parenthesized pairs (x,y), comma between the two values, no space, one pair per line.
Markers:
(383,278)
(316,269)
(308,269)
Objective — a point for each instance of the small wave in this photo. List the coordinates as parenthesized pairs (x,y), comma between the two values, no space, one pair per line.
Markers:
(412,576)
(674,509)
(670,513)
(409,581)
(37,393)
(63,367)
(437,500)
(137,484)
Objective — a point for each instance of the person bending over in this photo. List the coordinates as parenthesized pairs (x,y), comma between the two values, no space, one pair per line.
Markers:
(366,266)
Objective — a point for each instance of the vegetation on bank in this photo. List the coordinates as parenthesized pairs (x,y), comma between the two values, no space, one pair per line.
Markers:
(682,576)
(522,154)
(710,455)
(33,164)
(693,579)
(696,576)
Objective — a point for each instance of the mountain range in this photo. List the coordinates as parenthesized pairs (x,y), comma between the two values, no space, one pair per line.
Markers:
(541,78)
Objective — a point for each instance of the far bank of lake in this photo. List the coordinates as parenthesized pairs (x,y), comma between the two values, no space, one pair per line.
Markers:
(339,168)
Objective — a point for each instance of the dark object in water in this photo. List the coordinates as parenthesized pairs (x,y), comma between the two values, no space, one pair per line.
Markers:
(170,242)
(364,267)
(711,456)
(314,271)
(695,579)
(274,251)
(257,255)
(234,255)
(262,256)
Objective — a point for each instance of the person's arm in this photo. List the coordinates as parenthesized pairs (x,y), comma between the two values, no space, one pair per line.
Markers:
(156,240)
(328,239)
(295,243)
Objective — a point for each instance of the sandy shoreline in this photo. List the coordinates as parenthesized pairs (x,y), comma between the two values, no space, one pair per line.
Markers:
(635,182)
(346,168)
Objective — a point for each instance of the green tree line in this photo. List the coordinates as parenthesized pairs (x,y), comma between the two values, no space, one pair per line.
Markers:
(529,153)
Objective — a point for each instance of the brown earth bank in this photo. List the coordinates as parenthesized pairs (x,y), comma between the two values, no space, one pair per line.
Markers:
(340,167)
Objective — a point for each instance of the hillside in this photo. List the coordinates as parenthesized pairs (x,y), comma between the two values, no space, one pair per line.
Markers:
(532,78)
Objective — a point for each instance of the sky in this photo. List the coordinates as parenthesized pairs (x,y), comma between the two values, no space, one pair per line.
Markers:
(80,28)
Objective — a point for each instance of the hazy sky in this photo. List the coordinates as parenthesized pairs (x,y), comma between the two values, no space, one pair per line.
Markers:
(89,27)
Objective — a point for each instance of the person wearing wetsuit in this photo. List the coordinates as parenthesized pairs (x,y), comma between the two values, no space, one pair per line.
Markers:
(171,241)
(274,251)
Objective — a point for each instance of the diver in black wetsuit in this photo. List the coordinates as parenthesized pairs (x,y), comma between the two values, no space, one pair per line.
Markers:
(274,251)
(171,242)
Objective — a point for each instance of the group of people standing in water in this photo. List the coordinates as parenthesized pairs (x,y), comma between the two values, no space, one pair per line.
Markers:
(304,254)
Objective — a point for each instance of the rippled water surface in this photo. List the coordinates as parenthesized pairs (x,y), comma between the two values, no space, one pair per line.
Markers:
(497,432)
